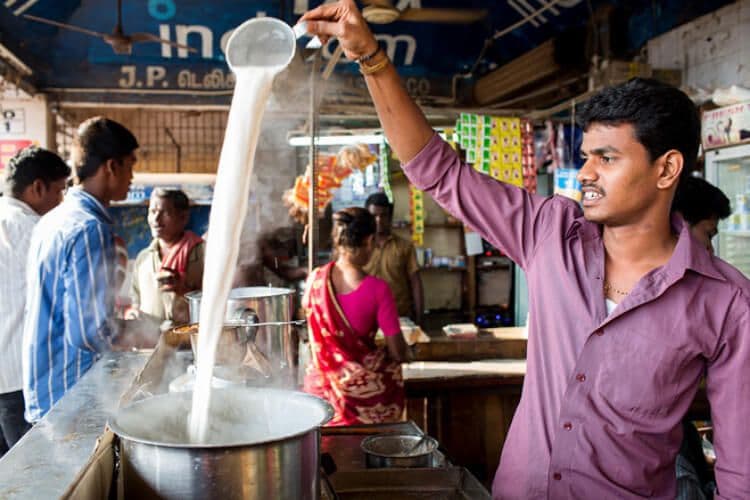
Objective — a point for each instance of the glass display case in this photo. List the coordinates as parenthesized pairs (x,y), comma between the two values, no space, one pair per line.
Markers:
(729,169)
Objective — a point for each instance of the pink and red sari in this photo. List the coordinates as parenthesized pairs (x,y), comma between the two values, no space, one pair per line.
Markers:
(348,370)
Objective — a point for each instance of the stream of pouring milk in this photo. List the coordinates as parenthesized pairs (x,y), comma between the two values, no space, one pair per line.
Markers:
(228,209)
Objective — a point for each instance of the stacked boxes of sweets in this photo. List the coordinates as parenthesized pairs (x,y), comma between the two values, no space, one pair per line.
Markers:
(528,160)
(416,208)
(493,146)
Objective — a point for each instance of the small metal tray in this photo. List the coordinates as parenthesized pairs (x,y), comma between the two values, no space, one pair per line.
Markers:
(448,483)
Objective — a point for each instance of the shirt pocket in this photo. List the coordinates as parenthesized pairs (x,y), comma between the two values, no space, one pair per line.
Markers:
(638,374)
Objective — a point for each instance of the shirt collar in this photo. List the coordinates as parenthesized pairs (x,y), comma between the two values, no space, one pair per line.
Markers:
(21,205)
(688,253)
(154,247)
(89,201)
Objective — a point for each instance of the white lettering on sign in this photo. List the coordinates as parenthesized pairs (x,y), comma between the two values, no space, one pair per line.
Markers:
(206,37)
(14,120)
(128,77)
(156,77)
(417,87)
(213,80)
(391,44)
(154,74)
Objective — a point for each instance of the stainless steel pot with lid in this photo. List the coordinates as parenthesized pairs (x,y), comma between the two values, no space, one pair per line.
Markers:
(263,443)
(266,313)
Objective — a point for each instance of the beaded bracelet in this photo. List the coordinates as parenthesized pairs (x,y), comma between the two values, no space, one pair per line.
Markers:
(369,56)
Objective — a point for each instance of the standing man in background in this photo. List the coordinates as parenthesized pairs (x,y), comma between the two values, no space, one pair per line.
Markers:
(701,204)
(35,180)
(71,269)
(394,260)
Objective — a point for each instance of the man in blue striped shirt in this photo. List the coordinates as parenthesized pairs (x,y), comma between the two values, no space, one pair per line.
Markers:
(70,275)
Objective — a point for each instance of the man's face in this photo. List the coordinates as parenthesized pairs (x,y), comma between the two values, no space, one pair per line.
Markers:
(50,195)
(618,180)
(704,231)
(382,219)
(123,175)
(167,223)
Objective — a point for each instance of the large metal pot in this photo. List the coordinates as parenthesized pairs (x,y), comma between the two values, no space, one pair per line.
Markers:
(265,443)
(271,310)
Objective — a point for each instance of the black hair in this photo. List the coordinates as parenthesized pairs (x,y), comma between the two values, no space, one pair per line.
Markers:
(100,139)
(351,227)
(379,200)
(697,199)
(30,164)
(177,197)
(663,117)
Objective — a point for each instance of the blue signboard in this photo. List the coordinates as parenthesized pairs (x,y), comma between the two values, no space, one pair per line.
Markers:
(86,67)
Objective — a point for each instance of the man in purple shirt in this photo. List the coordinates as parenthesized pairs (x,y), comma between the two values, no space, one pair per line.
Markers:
(627,311)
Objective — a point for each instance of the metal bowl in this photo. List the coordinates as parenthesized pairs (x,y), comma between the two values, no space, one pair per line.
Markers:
(397,450)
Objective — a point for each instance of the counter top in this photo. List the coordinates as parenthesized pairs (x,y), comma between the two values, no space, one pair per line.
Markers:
(448,369)
(491,343)
(48,458)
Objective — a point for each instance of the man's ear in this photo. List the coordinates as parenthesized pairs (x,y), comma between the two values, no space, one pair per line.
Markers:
(38,188)
(110,165)
(670,166)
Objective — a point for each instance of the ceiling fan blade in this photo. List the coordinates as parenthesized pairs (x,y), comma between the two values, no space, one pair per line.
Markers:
(455,16)
(150,37)
(63,25)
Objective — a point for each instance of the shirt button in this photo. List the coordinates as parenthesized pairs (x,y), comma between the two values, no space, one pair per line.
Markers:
(567,426)
(581,377)
(556,476)
(599,332)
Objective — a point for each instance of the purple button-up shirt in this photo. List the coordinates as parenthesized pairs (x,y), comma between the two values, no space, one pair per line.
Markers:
(603,397)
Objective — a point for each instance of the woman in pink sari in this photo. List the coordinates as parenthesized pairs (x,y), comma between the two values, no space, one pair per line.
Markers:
(345,307)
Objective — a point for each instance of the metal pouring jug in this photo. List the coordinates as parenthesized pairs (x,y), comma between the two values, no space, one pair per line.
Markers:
(262,41)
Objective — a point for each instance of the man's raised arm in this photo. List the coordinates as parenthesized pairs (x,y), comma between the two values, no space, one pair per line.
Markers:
(404,123)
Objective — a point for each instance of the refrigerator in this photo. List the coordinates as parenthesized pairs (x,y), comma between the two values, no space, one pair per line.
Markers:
(728,169)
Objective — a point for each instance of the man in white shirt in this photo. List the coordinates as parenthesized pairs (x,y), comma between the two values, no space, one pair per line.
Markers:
(35,180)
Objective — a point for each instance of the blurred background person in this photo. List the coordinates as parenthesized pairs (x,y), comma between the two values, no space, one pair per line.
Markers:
(70,307)
(172,265)
(702,205)
(273,264)
(35,180)
(345,307)
(395,260)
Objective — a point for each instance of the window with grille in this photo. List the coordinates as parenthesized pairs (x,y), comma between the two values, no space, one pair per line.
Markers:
(171,140)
